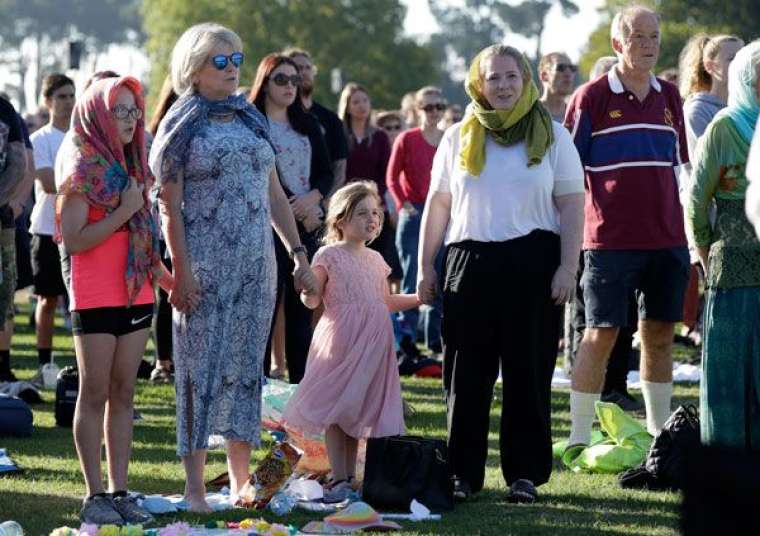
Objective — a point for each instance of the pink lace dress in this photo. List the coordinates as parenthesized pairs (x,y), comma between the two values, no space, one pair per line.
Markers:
(351,374)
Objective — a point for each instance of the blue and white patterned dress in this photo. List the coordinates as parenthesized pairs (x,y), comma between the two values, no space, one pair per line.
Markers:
(219,348)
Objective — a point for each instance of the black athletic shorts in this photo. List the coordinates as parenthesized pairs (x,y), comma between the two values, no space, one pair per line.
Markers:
(116,321)
(46,267)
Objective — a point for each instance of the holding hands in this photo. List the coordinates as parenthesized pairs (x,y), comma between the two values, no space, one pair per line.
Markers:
(427,284)
(186,294)
(303,276)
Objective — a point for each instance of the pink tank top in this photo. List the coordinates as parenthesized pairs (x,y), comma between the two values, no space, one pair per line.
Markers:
(97,275)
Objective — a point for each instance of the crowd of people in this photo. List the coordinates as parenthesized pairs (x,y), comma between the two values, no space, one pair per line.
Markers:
(255,231)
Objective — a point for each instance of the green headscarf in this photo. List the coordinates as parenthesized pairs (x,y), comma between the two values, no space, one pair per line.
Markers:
(528,120)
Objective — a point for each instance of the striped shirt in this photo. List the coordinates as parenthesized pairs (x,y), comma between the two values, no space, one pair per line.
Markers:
(630,151)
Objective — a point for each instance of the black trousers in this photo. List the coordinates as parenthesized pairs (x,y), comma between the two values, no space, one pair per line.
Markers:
(162,323)
(298,330)
(497,309)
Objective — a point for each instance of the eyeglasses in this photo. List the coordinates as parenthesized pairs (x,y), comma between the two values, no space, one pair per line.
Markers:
(562,67)
(392,126)
(122,112)
(429,108)
(281,79)
(220,61)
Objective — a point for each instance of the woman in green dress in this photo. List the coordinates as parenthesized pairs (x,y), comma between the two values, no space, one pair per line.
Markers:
(730,255)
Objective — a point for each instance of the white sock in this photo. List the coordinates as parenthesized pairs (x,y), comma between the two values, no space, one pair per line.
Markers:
(657,402)
(582,415)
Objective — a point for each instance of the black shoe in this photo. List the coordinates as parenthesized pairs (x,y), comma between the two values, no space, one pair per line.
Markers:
(624,400)
(522,491)
(462,490)
(8,376)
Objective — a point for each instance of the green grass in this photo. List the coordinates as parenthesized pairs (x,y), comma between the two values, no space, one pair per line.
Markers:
(49,492)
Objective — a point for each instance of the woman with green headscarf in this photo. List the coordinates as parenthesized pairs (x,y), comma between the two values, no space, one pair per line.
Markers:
(730,255)
(507,195)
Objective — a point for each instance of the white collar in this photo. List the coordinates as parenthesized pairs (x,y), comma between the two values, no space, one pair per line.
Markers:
(616,85)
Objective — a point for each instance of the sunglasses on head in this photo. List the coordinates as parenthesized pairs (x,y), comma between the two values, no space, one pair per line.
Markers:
(220,61)
(562,67)
(433,107)
(281,79)
(122,112)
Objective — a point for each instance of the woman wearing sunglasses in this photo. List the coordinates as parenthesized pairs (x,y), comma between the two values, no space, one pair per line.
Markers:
(303,166)
(408,180)
(368,152)
(110,263)
(219,196)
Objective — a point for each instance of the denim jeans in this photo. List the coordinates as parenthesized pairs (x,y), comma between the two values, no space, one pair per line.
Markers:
(407,243)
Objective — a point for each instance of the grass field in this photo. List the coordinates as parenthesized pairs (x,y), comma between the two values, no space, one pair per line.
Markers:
(48,493)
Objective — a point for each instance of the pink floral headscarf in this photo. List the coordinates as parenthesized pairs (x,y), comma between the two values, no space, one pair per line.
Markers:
(97,165)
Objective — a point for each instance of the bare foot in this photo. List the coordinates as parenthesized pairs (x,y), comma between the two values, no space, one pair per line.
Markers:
(197,503)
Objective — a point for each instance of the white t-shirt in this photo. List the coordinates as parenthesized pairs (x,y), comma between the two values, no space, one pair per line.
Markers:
(753,176)
(509,199)
(46,142)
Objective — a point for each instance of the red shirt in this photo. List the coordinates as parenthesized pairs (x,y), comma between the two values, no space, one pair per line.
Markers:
(408,176)
(630,150)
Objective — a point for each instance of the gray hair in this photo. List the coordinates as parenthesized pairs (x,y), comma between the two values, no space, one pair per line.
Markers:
(192,51)
(621,24)
(602,66)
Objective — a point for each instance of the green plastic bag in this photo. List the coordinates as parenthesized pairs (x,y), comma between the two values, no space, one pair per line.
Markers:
(622,444)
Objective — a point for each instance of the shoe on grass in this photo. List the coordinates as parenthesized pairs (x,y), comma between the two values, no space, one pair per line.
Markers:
(130,511)
(624,400)
(522,491)
(7,376)
(161,375)
(462,490)
(100,510)
(338,492)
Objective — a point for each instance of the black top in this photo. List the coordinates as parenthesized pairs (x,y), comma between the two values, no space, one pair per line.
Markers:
(10,130)
(332,127)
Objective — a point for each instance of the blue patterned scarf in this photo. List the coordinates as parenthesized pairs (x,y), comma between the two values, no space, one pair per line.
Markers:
(187,116)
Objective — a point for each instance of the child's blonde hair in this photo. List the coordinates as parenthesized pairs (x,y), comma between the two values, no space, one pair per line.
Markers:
(342,206)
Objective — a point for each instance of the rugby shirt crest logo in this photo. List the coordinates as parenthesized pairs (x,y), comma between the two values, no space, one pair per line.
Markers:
(616,114)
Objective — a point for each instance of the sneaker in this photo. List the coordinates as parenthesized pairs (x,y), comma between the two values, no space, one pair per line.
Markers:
(100,510)
(338,492)
(624,400)
(462,491)
(161,375)
(130,511)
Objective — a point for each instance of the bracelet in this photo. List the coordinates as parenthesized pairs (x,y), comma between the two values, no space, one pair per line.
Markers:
(296,250)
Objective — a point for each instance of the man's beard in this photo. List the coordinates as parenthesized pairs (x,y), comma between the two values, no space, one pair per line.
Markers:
(306,90)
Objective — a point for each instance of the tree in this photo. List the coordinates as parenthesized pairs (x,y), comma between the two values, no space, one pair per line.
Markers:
(50,23)
(680,19)
(468,28)
(362,38)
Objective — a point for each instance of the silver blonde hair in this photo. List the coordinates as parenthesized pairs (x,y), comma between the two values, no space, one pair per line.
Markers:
(192,51)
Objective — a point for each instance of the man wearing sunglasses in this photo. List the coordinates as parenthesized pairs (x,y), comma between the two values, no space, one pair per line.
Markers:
(332,126)
(557,74)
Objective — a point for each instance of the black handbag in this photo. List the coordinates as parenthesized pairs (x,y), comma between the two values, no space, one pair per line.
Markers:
(665,464)
(401,468)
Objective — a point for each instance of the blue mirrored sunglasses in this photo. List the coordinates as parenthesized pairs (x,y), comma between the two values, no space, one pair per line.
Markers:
(221,61)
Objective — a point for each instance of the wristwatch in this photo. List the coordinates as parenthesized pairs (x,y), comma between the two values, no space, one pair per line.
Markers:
(296,250)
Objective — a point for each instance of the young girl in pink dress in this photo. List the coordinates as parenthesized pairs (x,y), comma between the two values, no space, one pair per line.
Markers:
(351,388)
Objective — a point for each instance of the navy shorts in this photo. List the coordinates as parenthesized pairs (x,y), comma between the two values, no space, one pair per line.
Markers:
(116,321)
(659,277)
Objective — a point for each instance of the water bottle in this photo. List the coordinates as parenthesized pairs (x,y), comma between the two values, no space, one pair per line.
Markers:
(50,375)
(281,503)
(11,528)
